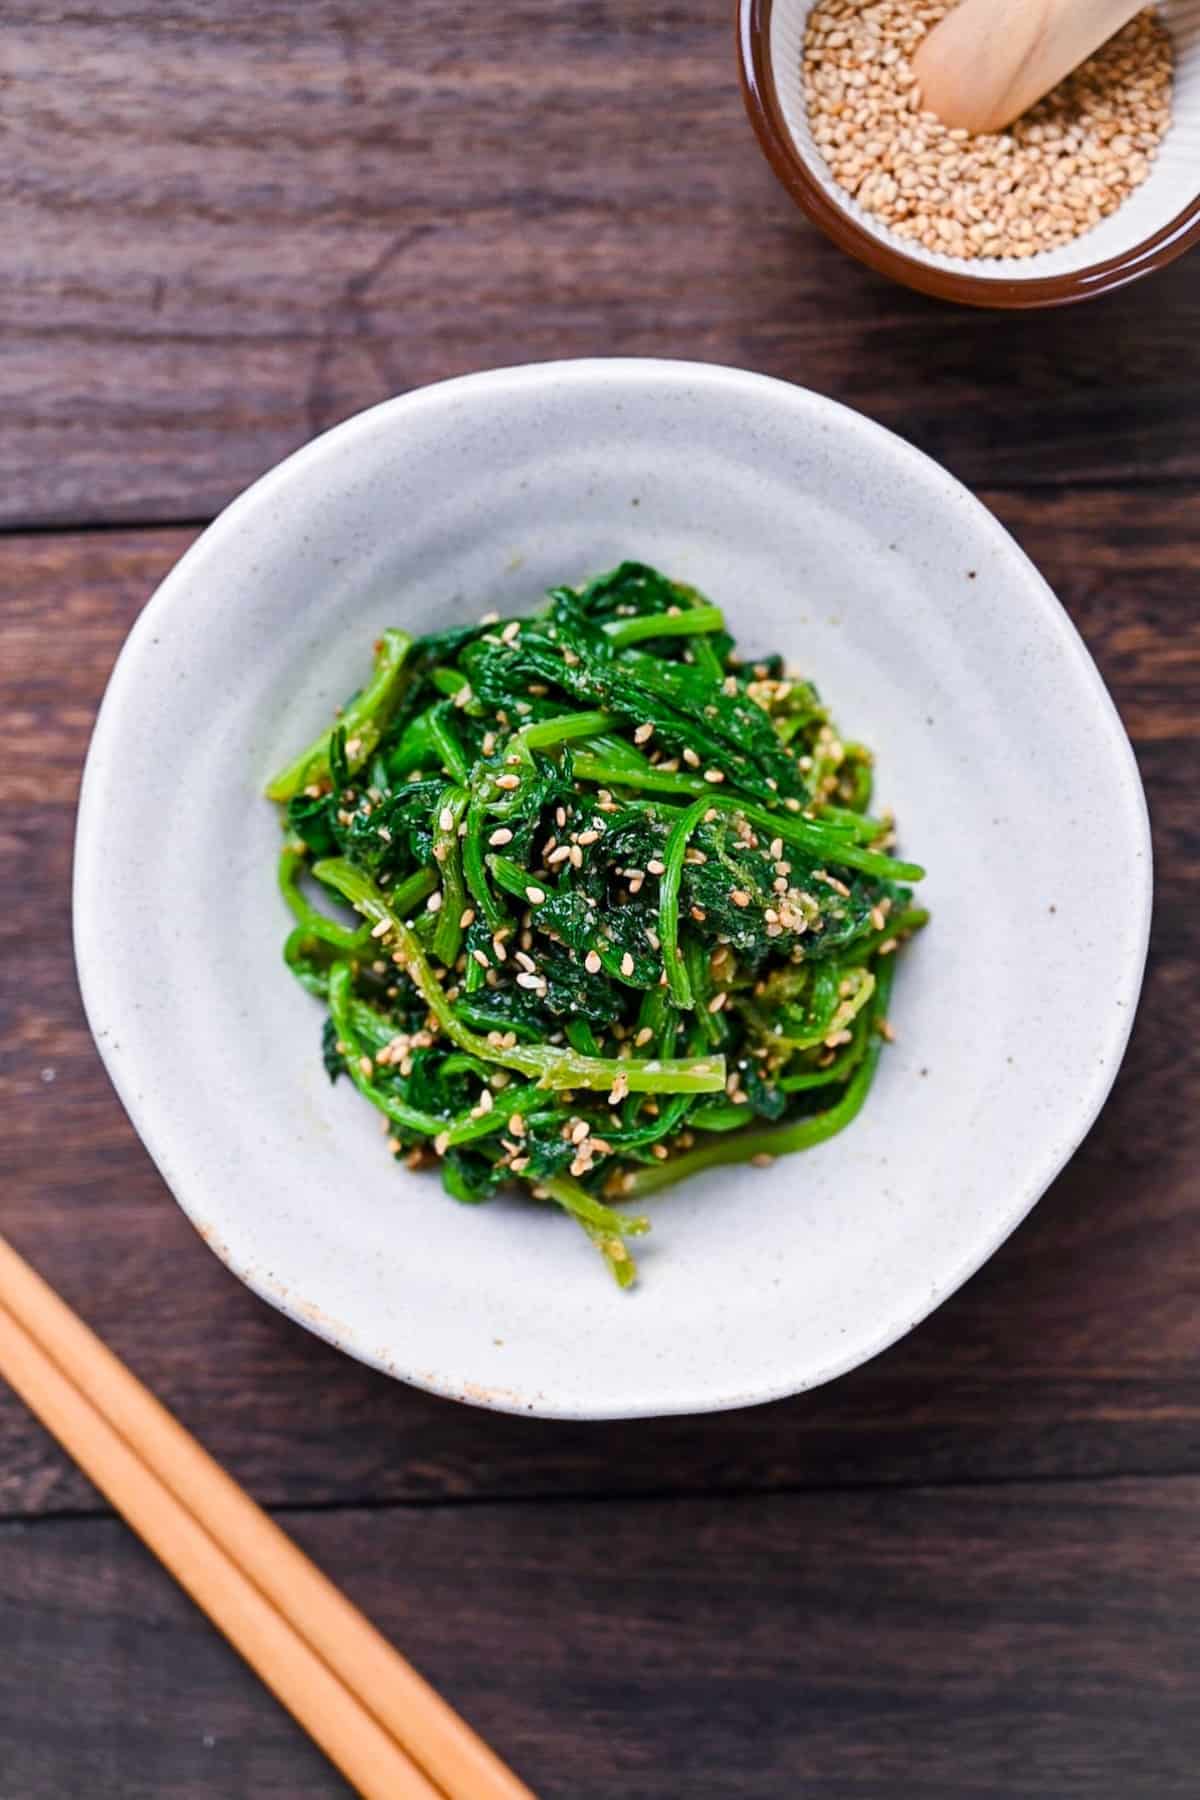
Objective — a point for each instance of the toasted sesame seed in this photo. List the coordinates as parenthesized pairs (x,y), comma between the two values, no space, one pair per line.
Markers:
(441,1142)
(576,856)
(485,1101)
(466,917)
(1054,173)
(690,757)
(643,1036)
(535,895)
(381,929)
(740,897)
(643,734)
(654,867)
(627,964)
(761,1160)
(511,632)
(508,782)
(558,856)
(592,963)
(516,1124)
(501,835)
(446,819)
(579,1131)
(434,902)
(714,775)
(481,959)
(717,1002)
(533,982)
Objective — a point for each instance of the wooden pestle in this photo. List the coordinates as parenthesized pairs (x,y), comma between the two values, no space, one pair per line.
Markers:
(989,60)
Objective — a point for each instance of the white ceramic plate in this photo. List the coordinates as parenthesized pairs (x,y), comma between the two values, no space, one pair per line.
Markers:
(934,639)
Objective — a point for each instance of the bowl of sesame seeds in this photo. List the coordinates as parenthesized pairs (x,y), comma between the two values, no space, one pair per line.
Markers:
(1096,186)
(933,640)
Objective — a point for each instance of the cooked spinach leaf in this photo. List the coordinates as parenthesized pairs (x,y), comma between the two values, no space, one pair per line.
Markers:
(623,913)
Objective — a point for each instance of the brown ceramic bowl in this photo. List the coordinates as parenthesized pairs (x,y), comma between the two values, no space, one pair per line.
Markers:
(1156,224)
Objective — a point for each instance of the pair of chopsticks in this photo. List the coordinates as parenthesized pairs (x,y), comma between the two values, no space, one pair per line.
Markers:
(378,1721)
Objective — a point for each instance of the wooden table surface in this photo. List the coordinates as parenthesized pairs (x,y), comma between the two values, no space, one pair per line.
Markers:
(971,1568)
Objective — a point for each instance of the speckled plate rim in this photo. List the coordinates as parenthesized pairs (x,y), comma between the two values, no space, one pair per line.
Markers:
(105,1005)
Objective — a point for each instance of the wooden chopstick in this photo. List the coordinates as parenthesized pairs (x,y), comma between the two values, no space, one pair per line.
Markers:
(353,1692)
(329,1712)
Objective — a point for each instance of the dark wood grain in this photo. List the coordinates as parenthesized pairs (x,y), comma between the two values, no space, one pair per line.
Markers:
(224,228)
(1026,1643)
(968,1571)
(1077,1351)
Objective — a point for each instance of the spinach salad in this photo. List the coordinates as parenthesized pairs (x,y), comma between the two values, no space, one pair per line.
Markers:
(620,911)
